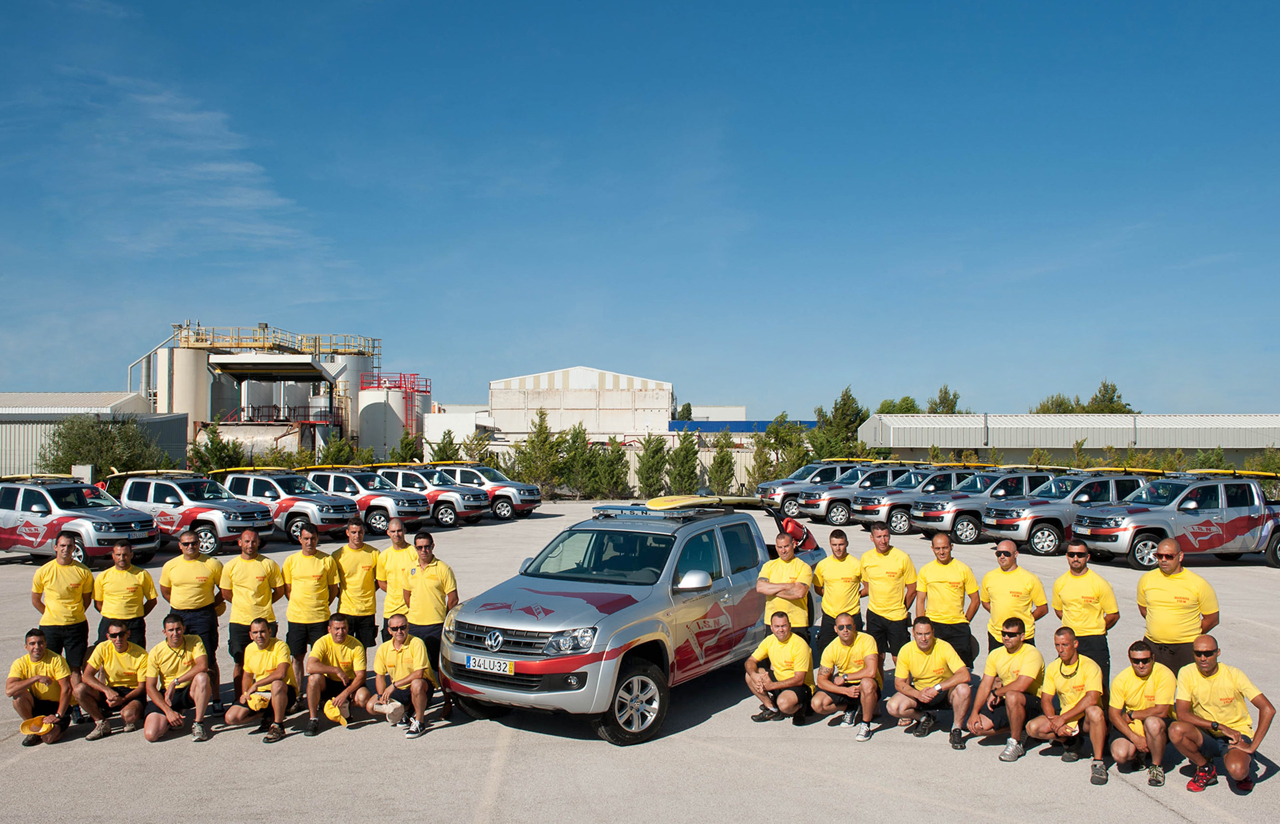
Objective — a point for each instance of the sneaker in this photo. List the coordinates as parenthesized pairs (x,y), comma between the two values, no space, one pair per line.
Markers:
(765,714)
(299,704)
(1245,785)
(1098,773)
(957,739)
(263,725)
(198,732)
(1205,777)
(77,716)
(415,730)
(100,730)
(798,720)
(30,740)
(1155,776)
(274,733)
(1071,750)
(130,727)
(863,732)
(216,708)
(1012,751)
(313,728)
(925,726)
(848,718)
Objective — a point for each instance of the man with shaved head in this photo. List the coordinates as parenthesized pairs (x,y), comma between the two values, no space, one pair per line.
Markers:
(1011,592)
(1178,605)
(785,583)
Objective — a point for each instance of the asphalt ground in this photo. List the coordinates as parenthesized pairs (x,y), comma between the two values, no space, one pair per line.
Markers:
(710,762)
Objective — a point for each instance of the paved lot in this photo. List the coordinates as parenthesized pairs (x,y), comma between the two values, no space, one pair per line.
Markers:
(711,761)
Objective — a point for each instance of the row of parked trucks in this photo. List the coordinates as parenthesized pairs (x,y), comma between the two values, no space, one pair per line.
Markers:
(1116,511)
(154,505)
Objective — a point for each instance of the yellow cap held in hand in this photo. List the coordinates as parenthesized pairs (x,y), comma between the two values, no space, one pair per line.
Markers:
(338,716)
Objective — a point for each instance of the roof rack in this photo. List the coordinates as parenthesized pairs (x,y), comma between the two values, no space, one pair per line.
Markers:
(1034,467)
(453,463)
(328,466)
(845,460)
(249,470)
(140,473)
(37,477)
(642,511)
(1128,469)
(1234,473)
(963,465)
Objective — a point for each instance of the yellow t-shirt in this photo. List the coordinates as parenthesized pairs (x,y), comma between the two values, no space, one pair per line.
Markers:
(790,572)
(356,577)
(841,583)
(309,579)
(944,587)
(1012,594)
(398,663)
(261,662)
(191,583)
(887,577)
(1129,692)
(348,656)
(430,587)
(843,659)
(785,660)
(1085,600)
(1072,684)
(927,669)
(1223,697)
(124,592)
(251,584)
(64,588)
(119,670)
(393,570)
(51,665)
(1174,605)
(1008,668)
(165,663)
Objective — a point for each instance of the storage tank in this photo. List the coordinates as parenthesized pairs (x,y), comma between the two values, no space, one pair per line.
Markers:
(348,369)
(381,420)
(257,393)
(191,383)
(297,394)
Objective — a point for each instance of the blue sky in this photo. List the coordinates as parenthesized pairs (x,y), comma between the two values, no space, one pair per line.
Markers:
(759,202)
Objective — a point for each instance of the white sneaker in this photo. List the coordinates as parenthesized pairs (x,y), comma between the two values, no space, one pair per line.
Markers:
(863,732)
(847,719)
(1012,751)
(415,730)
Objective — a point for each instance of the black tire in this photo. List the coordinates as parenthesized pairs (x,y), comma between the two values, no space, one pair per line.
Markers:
(966,530)
(791,507)
(638,707)
(503,509)
(445,515)
(376,520)
(143,557)
(1142,552)
(293,528)
(899,520)
(474,519)
(77,552)
(207,540)
(1044,540)
(1272,553)
(480,710)
(838,513)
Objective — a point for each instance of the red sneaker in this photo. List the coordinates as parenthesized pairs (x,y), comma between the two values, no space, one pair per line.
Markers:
(1205,776)
(1246,785)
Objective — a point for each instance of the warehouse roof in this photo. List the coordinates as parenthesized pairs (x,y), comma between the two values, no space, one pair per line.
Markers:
(69,403)
(578,377)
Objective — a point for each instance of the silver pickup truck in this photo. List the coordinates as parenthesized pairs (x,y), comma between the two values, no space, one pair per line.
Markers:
(610,615)
(834,502)
(1041,521)
(1209,511)
(892,504)
(784,493)
(960,511)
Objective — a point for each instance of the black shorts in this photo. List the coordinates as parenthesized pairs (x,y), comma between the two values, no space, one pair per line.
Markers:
(837,698)
(331,689)
(1095,648)
(429,634)
(803,693)
(299,637)
(363,628)
(293,696)
(827,633)
(71,641)
(182,701)
(238,639)
(203,624)
(941,701)
(994,643)
(137,630)
(108,711)
(41,707)
(406,698)
(1173,656)
(890,636)
(960,638)
(999,716)
(1216,746)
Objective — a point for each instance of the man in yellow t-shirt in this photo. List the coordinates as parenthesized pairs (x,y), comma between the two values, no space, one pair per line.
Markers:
(1140,706)
(177,681)
(252,584)
(1087,604)
(930,676)
(1076,680)
(124,592)
(357,564)
(941,588)
(60,591)
(1212,701)
(849,671)
(1178,605)
(336,670)
(838,579)
(784,581)
(39,684)
(268,673)
(310,584)
(430,594)
(190,584)
(392,574)
(403,675)
(889,582)
(1009,693)
(1011,592)
(788,692)
(116,675)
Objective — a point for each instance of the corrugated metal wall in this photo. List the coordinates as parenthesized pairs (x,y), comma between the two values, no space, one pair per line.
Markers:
(20,444)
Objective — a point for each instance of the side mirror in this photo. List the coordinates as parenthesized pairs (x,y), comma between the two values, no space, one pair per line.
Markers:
(40,509)
(271,495)
(930,488)
(695,580)
(172,500)
(525,564)
(999,493)
(1082,499)
(1189,506)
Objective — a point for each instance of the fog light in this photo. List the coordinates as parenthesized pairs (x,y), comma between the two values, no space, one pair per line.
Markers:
(572,681)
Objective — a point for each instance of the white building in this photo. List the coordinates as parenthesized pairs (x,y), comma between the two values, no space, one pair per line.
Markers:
(607,404)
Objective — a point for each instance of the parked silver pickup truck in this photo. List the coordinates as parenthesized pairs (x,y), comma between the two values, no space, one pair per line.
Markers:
(1208,511)
(1042,521)
(834,502)
(784,493)
(892,504)
(960,511)
(610,615)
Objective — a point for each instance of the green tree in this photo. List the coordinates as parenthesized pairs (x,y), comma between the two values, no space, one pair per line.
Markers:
(682,466)
(538,457)
(214,453)
(946,402)
(1040,457)
(446,449)
(1057,404)
(476,445)
(611,471)
(114,445)
(275,456)
(935,455)
(906,405)
(652,465)
(720,476)
(685,413)
(336,452)
(836,435)
(363,456)
(1079,459)
(1107,400)
(1211,459)
(763,467)
(408,450)
(579,470)
(1268,460)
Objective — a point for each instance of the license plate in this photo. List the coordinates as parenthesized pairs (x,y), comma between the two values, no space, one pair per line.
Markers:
(138,536)
(262,524)
(1084,530)
(475,662)
(989,521)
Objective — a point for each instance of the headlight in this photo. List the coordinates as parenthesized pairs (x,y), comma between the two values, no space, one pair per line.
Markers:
(234,516)
(449,621)
(1115,521)
(401,502)
(570,641)
(105,527)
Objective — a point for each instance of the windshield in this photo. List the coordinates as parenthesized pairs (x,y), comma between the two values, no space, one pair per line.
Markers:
(978,483)
(910,480)
(1156,493)
(1056,489)
(803,472)
(82,497)
(297,485)
(491,474)
(630,558)
(852,475)
(370,480)
(205,491)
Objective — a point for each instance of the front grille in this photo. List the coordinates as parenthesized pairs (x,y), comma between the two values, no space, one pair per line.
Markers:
(760,490)
(865,501)
(998,513)
(930,506)
(928,518)
(1085,520)
(514,641)
(518,682)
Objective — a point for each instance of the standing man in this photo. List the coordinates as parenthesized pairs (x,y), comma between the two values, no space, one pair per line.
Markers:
(889,581)
(310,584)
(1179,606)
(838,579)
(849,671)
(784,581)
(402,674)
(357,564)
(1212,702)
(177,681)
(392,575)
(788,692)
(1011,592)
(190,584)
(930,677)
(1010,690)
(267,667)
(431,593)
(60,591)
(117,676)
(1141,704)
(1086,603)
(940,594)
(124,592)
(336,671)
(39,684)
(1077,682)
(252,584)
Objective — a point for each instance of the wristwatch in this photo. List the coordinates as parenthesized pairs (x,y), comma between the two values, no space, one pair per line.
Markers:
(1214,726)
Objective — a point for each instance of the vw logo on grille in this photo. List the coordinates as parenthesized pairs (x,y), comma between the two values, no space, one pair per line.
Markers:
(493,641)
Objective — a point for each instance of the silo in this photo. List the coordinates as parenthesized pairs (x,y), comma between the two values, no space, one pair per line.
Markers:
(348,369)
(381,420)
(191,383)
(259,394)
(297,394)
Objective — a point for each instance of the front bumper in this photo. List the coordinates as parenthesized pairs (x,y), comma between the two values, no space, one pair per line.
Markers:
(149,543)
(410,514)
(940,521)
(538,683)
(869,513)
(229,531)
(1007,529)
(1105,538)
(815,508)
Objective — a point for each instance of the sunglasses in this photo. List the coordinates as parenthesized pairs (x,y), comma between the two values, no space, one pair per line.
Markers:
(1167,556)
(187,543)
(1004,554)
(1008,634)
(1204,653)
(1139,662)
(399,629)
(843,627)
(115,634)
(1077,555)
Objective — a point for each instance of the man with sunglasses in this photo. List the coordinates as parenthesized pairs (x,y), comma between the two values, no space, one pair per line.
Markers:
(1010,591)
(788,692)
(930,676)
(1087,604)
(124,592)
(116,675)
(941,589)
(1140,706)
(268,667)
(889,583)
(1010,690)
(190,584)
(431,592)
(1178,605)
(848,672)
(1212,702)
(402,674)
(1077,683)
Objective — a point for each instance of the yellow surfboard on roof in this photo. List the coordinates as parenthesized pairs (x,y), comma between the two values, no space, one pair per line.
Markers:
(667,502)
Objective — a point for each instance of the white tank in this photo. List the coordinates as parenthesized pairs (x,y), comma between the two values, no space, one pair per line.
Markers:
(348,369)
(191,383)
(297,394)
(257,393)
(381,420)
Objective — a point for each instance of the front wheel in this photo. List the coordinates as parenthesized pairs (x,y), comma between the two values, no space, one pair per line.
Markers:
(294,528)
(1045,539)
(966,529)
(446,516)
(78,554)
(791,507)
(1272,553)
(377,521)
(837,514)
(206,540)
(900,521)
(639,705)
(503,510)
(1142,553)
(480,710)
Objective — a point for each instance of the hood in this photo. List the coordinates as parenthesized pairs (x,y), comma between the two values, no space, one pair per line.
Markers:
(816,489)
(781,483)
(947,497)
(324,499)
(548,605)
(1118,511)
(111,514)
(243,507)
(395,495)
